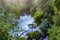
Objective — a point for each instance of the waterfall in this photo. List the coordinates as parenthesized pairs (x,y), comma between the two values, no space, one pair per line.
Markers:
(24,22)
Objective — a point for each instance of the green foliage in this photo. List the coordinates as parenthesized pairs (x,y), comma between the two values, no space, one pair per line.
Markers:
(14,9)
(35,35)
(5,26)
(51,11)
(38,16)
(46,12)
(57,20)
(57,4)
(54,33)
(8,16)
(30,35)
(21,38)
(57,12)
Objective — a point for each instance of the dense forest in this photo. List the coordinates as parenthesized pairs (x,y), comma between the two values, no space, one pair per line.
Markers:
(45,15)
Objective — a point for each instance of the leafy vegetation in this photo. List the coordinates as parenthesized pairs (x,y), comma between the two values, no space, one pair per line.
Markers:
(8,20)
(51,11)
(54,32)
(35,35)
(46,15)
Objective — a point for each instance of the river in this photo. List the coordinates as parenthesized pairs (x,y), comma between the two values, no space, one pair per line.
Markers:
(23,25)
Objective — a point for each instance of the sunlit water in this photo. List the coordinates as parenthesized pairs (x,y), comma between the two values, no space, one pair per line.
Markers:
(23,24)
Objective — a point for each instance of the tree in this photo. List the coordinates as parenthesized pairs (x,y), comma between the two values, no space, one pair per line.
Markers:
(51,12)
(54,31)
(8,19)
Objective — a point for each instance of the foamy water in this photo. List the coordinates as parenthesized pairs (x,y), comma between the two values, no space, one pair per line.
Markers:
(23,23)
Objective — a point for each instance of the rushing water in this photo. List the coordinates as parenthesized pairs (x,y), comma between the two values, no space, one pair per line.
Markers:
(24,21)
(23,24)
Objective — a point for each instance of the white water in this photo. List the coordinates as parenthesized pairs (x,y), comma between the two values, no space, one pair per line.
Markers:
(23,23)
